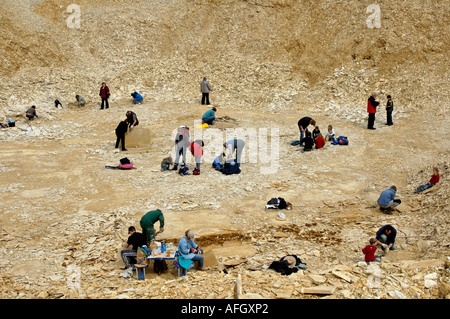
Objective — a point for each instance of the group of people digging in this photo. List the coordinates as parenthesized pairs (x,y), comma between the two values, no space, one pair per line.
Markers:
(387,201)
(187,247)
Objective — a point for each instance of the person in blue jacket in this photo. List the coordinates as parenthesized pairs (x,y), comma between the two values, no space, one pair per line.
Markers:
(219,162)
(137,98)
(190,250)
(387,199)
(209,116)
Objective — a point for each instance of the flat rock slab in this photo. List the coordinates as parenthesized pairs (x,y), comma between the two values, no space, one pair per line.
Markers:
(139,136)
(319,290)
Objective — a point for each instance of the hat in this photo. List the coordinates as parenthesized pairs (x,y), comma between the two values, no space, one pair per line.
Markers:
(290,261)
(190,234)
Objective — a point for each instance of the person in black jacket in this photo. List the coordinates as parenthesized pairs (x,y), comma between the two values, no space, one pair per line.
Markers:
(121,129)
(308,142)
(303,124)
(386,237)
(389,109)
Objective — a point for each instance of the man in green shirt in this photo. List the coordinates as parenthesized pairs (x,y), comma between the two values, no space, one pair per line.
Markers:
(147,222)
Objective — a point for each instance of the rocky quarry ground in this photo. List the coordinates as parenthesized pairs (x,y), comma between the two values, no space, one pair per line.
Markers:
(64,216)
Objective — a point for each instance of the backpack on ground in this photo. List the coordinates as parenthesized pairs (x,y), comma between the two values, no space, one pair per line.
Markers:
(184,170)
(124,160)
(277,203)
(159,266)
(341,140)
(231,168)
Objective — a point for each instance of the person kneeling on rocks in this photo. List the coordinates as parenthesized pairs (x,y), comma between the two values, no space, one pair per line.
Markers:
(190,250)
(219,162)
(385,237)
(137,98)
(387,200)
(369,251)
(209,116)
(165,163)
(80,100)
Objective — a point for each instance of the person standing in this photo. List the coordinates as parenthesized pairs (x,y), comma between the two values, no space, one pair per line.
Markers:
(235,145)
(197,152)
(389,109)
(104,94)
(121,129)
(182,142)
(205,88)
(303,124)
(132,119)
(147,222)
(372,104)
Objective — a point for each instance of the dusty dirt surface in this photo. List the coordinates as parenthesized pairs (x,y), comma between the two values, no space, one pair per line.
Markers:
(64,216)
(62,207)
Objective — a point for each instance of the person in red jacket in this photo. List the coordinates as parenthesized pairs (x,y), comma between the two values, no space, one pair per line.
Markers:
(369,251)
(197,152)
(372,109)
(319,141)
(104,94)
(434,179)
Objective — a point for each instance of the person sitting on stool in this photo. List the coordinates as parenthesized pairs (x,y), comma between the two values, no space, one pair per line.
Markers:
(190,250)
